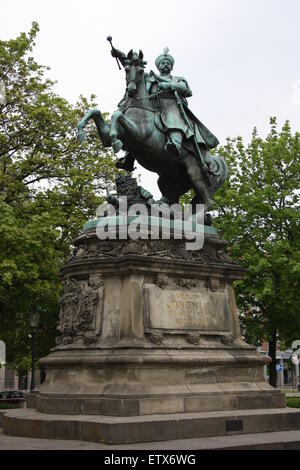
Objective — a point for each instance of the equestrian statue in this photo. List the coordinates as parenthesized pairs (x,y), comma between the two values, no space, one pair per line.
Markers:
(155,127)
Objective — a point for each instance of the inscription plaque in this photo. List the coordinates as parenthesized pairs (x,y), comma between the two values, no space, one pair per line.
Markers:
(180,309)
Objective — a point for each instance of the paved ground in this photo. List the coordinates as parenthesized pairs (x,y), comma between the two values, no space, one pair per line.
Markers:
(278,440)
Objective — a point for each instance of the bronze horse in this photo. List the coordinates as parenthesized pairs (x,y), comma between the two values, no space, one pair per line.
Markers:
(136,127)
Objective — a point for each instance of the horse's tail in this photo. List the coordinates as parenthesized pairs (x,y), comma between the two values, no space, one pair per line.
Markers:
(223,170)
(219,169)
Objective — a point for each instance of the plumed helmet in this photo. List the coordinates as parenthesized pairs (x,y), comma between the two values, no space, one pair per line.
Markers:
(164,55)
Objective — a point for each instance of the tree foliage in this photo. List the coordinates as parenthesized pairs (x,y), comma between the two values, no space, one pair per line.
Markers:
(258,213)
(49,186)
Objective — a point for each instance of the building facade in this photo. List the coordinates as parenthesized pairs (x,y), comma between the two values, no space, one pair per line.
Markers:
(288,374)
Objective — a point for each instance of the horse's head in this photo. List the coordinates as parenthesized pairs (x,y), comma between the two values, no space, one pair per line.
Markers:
(134,68)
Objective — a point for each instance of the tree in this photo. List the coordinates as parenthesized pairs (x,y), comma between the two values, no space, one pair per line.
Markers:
(258,213)
(49,186)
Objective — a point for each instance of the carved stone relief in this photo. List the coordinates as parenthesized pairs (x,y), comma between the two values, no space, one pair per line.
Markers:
(155,338)
(193,339)
(163,249)
(188,283)
(228,340)
(134,247)
(213,284)
(79,306)
(162,281)
(97,250)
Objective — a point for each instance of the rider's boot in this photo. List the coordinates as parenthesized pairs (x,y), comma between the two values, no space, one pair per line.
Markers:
(117,145)
(174,142)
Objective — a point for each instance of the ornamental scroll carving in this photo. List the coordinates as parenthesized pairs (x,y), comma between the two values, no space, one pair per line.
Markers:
(228,340)
(163,249)
(193,339)
(162,281)
(155,338)
(187,283)
(81,310)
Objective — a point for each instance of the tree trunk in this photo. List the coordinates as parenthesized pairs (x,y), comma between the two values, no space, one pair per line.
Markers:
(272,354)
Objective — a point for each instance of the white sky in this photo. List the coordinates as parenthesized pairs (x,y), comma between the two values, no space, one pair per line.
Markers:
(240,57)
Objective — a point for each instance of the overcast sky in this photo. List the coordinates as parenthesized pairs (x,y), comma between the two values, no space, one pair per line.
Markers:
(240,57)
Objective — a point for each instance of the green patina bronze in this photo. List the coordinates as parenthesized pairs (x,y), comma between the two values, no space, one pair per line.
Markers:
(154,125)
(150,222)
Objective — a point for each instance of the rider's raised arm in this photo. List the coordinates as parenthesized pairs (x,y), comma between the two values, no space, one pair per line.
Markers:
(180,85)
(120,55)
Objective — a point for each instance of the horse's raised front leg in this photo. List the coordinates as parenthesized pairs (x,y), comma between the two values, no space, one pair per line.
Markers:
(132,129)
(102,127)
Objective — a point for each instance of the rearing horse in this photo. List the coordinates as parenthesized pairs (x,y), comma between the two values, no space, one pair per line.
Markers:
(137,128)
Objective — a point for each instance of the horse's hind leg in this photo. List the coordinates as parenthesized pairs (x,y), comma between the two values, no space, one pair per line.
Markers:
(116,143)
(171,190)
(197,179)
(207,218)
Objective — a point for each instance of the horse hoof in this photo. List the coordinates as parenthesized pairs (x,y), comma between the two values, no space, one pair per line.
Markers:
(81,135)
(117,146)
(208,219)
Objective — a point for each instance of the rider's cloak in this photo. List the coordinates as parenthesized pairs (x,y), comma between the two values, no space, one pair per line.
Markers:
(173,118)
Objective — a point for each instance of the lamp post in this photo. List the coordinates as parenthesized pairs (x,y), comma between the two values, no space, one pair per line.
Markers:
(34,321)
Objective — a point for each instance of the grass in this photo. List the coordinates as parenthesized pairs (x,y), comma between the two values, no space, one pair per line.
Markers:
(293,402)
(8,406)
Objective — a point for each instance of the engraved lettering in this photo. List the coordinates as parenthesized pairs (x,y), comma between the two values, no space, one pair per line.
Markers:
(188,309)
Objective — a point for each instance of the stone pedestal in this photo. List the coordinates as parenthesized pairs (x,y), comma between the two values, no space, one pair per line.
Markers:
(148,327)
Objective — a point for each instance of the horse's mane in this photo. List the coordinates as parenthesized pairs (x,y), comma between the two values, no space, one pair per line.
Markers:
(134,58)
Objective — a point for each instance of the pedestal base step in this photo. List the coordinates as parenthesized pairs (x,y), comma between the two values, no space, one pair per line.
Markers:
(150,428)
(249,398)
(286,440)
